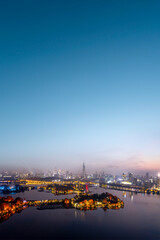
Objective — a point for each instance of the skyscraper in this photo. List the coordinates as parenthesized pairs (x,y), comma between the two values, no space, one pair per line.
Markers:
(83,171)
(158,181)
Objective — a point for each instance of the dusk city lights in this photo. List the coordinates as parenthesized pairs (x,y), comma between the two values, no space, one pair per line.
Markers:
(79,119)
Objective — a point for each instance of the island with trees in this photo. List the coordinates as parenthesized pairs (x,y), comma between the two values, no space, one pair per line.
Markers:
(85,201)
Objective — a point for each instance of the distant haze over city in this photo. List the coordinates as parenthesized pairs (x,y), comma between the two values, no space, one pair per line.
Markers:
(80,83)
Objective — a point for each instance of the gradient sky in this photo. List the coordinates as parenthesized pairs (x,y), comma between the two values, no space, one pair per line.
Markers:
(80,81)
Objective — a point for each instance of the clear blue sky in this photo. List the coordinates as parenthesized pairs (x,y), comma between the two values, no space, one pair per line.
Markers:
(80,81)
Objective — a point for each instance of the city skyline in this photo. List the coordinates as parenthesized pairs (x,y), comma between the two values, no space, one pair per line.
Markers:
(80,83)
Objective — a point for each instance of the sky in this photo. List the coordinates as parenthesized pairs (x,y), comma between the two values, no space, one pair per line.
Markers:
(80,82)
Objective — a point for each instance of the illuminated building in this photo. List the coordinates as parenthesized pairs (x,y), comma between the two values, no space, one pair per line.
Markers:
(158,180)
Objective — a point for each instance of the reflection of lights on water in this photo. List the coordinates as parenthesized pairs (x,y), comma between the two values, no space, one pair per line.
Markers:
(131,196)
(80,214)
(124,194)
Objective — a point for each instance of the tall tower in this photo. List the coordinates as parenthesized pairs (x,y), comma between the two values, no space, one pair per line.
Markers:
(83,171)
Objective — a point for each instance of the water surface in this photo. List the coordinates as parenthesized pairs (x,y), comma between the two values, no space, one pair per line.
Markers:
(140,219)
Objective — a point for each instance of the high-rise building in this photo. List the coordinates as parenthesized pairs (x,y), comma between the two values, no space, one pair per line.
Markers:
(158,181)
(83,171)
(130,177)
(147,176)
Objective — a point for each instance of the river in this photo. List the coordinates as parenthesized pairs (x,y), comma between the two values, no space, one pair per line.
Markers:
(139,219)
